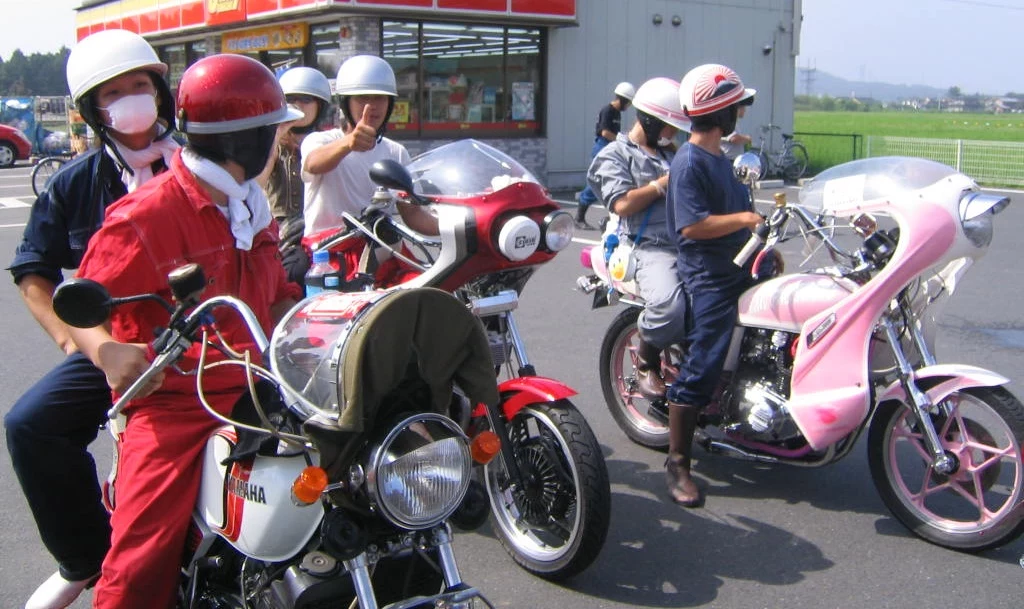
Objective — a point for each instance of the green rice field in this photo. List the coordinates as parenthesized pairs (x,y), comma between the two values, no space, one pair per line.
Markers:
(826,151)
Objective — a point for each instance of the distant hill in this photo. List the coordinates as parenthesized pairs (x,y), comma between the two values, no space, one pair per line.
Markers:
(824,83)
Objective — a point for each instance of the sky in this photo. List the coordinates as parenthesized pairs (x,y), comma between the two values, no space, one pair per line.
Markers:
(971,44)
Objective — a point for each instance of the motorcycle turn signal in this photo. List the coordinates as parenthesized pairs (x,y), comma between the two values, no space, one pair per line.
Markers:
(308,487)
(485,446)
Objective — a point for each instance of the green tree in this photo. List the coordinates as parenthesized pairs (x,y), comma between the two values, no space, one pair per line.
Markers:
(954,92)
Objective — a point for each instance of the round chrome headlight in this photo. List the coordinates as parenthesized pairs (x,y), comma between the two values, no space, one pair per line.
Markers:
(558,230)
(420,472)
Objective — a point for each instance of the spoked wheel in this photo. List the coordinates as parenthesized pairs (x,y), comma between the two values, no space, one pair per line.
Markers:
(43,171)
(555,522)
(795,162)
(976,507)
(632,412)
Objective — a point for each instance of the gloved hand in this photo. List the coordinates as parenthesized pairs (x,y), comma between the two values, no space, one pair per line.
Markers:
(296,262)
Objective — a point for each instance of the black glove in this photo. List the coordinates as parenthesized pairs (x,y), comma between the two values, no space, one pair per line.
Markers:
(296,262)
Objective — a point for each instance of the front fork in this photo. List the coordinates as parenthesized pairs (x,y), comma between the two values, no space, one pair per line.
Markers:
(942,462)
(359,569)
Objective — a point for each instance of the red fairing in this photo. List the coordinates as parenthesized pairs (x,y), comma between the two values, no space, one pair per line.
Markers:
(520,392)
(490,211)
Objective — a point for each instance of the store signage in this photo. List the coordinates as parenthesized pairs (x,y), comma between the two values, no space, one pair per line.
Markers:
(288,36)
(221,6)
(223,12)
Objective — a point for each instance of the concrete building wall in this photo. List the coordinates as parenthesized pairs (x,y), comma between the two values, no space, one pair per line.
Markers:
(618,40)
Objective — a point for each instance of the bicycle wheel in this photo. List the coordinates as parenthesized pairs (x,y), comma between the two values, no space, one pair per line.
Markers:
(794,164)
(43,171)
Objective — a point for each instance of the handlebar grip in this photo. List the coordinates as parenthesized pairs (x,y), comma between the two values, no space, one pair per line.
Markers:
(757,237)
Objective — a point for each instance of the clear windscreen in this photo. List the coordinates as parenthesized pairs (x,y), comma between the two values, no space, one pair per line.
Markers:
(465,168)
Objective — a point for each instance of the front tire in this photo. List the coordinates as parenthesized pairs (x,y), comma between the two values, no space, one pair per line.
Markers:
(975,508)
(555,523)
(618,363)
(43,171)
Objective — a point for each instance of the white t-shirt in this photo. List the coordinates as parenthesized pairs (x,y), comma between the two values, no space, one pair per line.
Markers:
(347,187)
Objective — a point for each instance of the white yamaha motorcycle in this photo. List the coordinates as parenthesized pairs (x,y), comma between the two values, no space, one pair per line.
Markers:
(334,481)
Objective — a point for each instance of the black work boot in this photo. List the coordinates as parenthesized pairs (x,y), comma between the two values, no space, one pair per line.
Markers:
(648,371)
(581,217)
(682,423)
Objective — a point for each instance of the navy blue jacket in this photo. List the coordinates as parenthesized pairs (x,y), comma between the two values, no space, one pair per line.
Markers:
(66,215)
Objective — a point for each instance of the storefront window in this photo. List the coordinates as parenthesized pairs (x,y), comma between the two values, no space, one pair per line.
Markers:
(464,77)
(326,49)
(176,59)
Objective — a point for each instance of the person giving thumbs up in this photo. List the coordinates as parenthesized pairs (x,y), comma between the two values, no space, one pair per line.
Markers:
(336,163)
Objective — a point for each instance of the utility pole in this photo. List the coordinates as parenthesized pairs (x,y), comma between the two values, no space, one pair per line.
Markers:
(808,74)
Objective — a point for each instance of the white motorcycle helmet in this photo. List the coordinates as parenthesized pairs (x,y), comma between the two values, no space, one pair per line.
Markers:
(626,90)
(312,82)
(366,75)
(709,95)
(657,104)
(108,54)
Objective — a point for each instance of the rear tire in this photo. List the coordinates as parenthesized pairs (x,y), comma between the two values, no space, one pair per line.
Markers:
(976,507)
(556,524)
(617,363)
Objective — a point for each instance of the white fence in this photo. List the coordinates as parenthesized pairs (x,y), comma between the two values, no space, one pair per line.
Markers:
(990,163)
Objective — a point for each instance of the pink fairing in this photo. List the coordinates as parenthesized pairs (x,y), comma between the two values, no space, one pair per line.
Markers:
(831,387)
(585,257)
(786,302)
(960,376)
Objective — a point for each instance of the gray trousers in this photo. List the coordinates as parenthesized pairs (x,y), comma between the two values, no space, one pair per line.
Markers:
(663,320)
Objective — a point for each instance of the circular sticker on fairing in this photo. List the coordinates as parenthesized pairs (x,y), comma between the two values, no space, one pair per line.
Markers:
(519,238)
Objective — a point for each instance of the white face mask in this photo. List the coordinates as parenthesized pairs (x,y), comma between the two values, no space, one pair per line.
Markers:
(132,113)
(664,141)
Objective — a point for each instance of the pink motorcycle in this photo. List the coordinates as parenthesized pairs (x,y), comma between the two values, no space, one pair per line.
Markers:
(821,355)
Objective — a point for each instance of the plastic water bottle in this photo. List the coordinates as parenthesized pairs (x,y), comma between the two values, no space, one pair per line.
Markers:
(320,269)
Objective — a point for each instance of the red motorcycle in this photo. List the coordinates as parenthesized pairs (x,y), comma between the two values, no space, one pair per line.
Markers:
(549,491)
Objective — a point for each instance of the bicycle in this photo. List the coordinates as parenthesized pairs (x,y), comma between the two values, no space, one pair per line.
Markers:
(44,170)
(790,162)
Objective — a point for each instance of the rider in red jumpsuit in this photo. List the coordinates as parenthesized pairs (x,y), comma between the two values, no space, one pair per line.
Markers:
(207,209)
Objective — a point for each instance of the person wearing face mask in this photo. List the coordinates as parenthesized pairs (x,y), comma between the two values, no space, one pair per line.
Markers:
(207,209)
(117,82)
(308,90)
(631,175)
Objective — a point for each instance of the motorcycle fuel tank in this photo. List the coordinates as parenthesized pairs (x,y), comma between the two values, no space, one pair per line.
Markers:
(249,502)
(786,302)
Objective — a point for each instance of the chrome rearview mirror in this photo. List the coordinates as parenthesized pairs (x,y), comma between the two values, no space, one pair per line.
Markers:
(747,168)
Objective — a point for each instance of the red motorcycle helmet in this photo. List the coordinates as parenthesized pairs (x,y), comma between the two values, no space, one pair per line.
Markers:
(229,107)
(228,93)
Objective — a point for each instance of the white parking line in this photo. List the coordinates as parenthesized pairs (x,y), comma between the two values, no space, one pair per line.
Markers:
(12,226)
(10,202)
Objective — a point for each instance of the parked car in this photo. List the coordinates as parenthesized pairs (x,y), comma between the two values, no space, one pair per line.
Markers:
(14,146)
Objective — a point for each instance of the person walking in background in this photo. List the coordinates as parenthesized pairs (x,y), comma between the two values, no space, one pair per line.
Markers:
(609,123)
(736,143)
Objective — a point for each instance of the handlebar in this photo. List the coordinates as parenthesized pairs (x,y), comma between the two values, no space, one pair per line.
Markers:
(180,338)
(754,243)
